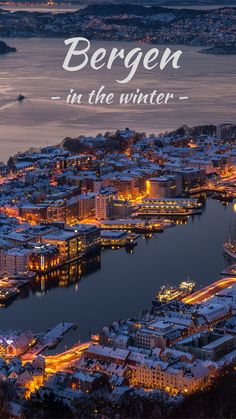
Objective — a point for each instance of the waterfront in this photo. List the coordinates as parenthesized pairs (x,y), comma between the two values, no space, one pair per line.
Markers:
(111,290)
(206,79)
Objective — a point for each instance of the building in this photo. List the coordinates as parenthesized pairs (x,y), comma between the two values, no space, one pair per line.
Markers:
(33,214)
(103,205)
(86,204)
(159,334)
(20,344)
(78,161)
(163,187)
(126,186)
(180,378)
(56,211)
(190,176)
(114,238)
(72,210)
(208,345)
(107,354)
(43,258)
(211,313)
(225,132)
(16,261)
(121,209)
(168,206)
(69,244)
(88,381)
(89,235)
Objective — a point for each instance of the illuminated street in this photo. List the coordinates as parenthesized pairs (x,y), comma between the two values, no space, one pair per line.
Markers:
(209,291)
(62,361)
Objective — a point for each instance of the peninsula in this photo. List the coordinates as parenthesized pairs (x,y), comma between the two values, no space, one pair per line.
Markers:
(5,49)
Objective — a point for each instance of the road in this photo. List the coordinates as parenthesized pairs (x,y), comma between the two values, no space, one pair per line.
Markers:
(209,291)
(62,361)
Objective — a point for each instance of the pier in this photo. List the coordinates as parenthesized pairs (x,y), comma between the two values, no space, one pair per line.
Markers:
(48,340)
(229,271)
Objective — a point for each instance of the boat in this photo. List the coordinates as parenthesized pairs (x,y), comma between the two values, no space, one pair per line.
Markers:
(20,98)
(230,247)
(223,197)
(175,293)
(130,242)
(229,271)
(7,293)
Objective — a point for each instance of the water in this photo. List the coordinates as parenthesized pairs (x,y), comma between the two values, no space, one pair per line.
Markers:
(203,7)
(71,8)
(36,71)
(119,284)
(42,9)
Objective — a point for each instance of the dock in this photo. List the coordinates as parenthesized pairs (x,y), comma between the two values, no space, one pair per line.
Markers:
(136,225)
(48,340)
(54,335)
(229,271)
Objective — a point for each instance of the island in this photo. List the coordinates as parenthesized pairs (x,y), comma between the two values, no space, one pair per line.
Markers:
(5,49)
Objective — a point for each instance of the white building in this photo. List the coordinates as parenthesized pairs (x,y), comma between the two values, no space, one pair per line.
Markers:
(86,203)
(182,378)
(103,204)
(16,261)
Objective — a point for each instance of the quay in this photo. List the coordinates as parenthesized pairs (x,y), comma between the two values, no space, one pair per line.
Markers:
(168,207)
(134,224)
(229,271)
(10,288)
(48,340)
(117,239)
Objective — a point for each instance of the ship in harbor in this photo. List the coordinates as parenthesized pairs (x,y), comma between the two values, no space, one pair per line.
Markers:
(230,247)
(7,294)
(175,293)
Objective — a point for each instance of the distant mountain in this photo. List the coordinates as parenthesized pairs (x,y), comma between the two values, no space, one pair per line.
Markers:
(108,9)
(128,22)
(172,3)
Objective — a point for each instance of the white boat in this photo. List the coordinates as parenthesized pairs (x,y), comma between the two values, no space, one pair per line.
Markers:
(184,289)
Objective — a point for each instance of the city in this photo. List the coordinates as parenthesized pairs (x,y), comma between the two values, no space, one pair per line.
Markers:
(127,22)
(61,207)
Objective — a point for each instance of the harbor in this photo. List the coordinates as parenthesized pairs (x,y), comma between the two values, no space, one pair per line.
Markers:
(10,288)
(48,340)
(169,259)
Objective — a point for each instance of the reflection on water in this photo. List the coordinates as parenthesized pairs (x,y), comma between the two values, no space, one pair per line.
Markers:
(68,275)
(36,71)
(116,284)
